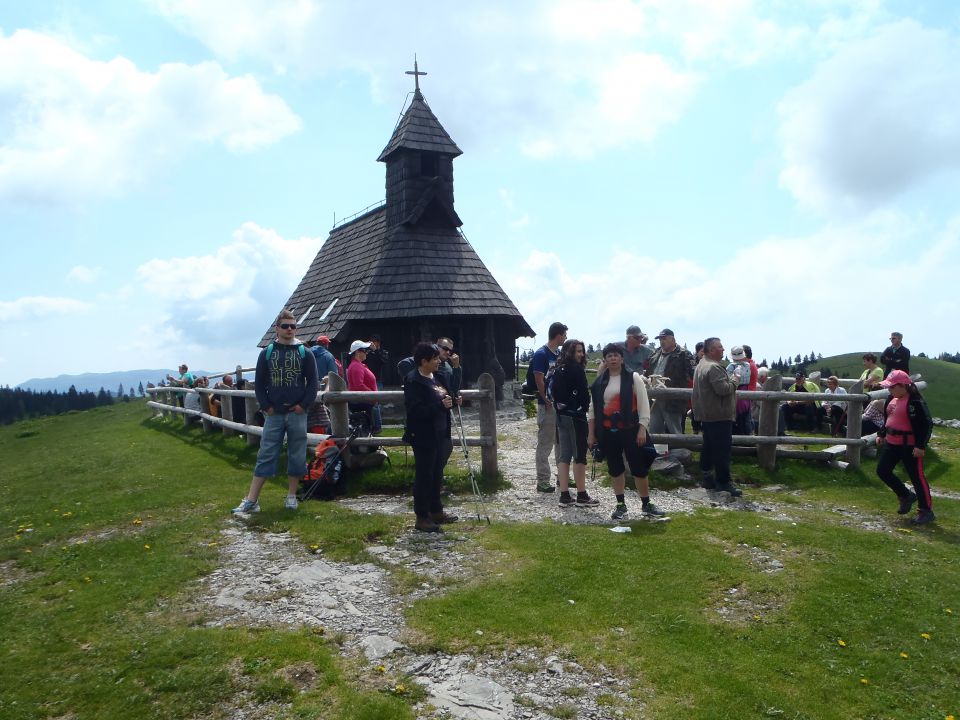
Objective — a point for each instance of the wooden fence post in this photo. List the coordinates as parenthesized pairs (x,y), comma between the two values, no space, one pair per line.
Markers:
(854,423)
(339,413)
(250,403)
(226,412)
(767,425)
(488,426)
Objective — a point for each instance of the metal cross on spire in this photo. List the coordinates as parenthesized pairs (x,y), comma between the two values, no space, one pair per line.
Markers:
(416,74)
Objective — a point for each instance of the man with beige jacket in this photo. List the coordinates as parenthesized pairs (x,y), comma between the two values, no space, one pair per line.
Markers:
(715,406)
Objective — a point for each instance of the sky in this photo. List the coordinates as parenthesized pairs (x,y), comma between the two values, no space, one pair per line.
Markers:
(781,174)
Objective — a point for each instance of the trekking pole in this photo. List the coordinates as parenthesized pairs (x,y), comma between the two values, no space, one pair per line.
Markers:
(473,480)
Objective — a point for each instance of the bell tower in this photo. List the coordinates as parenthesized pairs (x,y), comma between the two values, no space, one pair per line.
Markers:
(419,160)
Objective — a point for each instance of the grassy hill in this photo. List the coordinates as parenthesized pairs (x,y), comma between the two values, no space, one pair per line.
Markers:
(943,379)
(111,518)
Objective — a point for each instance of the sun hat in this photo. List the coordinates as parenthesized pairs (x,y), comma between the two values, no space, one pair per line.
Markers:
(738,354)
(897,377)
(358,345)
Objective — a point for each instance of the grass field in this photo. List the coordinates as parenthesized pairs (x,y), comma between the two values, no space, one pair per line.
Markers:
(110,519)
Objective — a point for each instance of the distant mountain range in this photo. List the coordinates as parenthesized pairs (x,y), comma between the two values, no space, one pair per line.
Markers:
(130,379)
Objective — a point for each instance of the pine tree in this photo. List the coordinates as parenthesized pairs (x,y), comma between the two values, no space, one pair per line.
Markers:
(140,390)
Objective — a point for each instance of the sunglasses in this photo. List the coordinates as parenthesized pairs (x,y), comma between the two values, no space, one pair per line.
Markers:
(444,347)
(288,326)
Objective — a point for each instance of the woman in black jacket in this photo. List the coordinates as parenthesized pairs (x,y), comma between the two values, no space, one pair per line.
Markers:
(568,391)
(428,404)
(903,439)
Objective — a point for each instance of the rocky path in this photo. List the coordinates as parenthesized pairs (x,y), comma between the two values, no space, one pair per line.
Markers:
(272,579)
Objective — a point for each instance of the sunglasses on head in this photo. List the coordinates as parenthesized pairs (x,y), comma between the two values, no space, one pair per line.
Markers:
(288,326)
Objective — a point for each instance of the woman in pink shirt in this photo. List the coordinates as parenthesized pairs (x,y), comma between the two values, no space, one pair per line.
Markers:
(361,379)
(903,439)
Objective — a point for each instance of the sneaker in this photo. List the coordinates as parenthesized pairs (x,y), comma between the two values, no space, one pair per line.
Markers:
(620,512)
(586,501)
(291,503)
(923,517)
(906,503)
(545,487)
(566,500)
(443,517)
(730,488)
(427,525)
(652,510)
(247,506)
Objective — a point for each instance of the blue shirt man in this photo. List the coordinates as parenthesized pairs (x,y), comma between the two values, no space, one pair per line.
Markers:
(543,360)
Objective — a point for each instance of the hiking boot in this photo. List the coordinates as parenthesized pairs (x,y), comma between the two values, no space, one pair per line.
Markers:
(545,487)
(906,503)
(443,518)
(619,512)
(923,517)
(586,501)
(291,503)
(709,482)
(730,488)
(652,510)
(247,506)
(566,500)
(425,524)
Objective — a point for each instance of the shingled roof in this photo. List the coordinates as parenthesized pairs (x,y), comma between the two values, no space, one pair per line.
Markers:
(405,273)
(419,129)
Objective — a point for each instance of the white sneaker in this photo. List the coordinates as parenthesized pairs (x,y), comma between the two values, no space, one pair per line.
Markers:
(291,503)
(247,506)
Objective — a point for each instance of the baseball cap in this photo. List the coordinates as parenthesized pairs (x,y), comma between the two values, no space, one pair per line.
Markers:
(897,377)
(358,345)
(323,339)
(634,330)
(665,331)
(737,353)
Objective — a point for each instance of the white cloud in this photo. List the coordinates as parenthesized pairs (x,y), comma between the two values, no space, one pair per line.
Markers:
(874,120)
(72,127)
(781,295)
(228,297)
(39,306)
(84,275)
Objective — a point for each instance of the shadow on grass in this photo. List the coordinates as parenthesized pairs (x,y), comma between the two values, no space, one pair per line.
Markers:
(233,450)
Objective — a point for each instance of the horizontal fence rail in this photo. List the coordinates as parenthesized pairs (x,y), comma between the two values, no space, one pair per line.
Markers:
(337,400)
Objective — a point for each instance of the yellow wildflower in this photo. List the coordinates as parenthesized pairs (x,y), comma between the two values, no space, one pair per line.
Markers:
(925,636)
(381,668)
(146,547)
(864,681)
(904,655)
(86,578)
(841,643)
(400,689)
(949,611)
(137,521)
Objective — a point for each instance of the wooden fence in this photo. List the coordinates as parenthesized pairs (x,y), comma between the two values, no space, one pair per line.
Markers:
(336,398)
(766,444)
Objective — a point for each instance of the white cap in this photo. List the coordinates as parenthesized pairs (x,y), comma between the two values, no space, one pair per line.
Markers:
(358,345)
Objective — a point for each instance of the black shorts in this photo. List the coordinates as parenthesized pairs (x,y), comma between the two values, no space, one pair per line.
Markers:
(618,443)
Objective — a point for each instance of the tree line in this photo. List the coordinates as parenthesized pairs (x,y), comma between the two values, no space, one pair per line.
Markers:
(19,404)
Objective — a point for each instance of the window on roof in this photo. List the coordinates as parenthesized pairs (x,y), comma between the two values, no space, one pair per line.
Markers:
(428,164)
(329,309)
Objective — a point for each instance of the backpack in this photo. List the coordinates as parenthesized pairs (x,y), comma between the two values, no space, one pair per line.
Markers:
(552,384)
(559,391)
(325,477)
(529,388)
